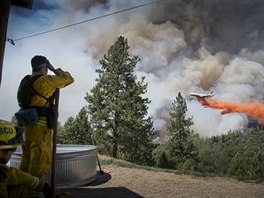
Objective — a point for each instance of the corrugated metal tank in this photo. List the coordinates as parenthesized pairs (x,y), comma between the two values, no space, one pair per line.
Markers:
(76,165)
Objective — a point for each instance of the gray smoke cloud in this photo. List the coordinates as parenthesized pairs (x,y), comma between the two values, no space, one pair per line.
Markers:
(234,25)
(228,25)
(184,45)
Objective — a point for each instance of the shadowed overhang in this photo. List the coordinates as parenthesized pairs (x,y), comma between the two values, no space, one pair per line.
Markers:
(22,3)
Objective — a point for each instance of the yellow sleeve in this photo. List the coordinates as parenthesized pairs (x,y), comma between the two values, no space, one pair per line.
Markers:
(3,180)
(47,84)
(17,177)
(61,79)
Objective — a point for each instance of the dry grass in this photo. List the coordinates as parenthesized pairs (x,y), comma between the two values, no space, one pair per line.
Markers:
(136,182)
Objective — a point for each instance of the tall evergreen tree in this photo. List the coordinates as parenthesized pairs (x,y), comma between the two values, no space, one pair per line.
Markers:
(118,111)
(78,130)
(180,146)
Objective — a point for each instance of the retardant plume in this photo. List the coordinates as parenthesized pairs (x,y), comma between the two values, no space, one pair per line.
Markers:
(254,109)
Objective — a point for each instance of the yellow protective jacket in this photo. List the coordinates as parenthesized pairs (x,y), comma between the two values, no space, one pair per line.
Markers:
(18,183)
(46,85)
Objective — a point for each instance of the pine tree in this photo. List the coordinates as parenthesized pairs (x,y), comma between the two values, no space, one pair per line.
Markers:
(180,146)
(78,130)
(118,111)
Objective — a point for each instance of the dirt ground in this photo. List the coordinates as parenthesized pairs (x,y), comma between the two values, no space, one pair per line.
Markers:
(121,182)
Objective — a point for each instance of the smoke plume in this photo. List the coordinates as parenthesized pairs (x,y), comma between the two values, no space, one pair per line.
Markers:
(184,46)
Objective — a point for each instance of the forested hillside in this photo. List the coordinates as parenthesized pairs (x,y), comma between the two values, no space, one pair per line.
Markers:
(116,120)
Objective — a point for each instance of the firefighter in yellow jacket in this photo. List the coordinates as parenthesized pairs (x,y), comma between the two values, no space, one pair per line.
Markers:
(37,148)
(15,183)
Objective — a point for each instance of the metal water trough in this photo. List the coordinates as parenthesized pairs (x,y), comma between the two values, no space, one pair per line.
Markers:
(75,165)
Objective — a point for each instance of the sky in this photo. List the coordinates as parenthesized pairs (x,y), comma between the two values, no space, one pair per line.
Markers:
(184,46)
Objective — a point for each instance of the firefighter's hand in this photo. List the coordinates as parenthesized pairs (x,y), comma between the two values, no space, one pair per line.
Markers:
(46,190)
(50,66)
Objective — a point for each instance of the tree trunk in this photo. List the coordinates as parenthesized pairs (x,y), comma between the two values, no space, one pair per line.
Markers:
(114,152)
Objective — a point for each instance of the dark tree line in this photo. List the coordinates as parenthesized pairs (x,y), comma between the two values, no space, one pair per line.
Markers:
(238,153)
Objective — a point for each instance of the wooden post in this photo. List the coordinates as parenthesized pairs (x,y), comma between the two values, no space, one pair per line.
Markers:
(53,170)
(4,10)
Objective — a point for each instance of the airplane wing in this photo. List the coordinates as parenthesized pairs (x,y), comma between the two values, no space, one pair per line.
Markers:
(201,95)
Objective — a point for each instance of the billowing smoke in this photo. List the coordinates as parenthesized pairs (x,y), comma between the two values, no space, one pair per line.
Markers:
(190,46)
(184,45)
(226,25)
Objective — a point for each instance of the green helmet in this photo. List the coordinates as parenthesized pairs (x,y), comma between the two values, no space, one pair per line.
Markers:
(10,136)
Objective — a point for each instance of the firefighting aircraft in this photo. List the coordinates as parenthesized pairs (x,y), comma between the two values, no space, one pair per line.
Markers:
(200,96)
